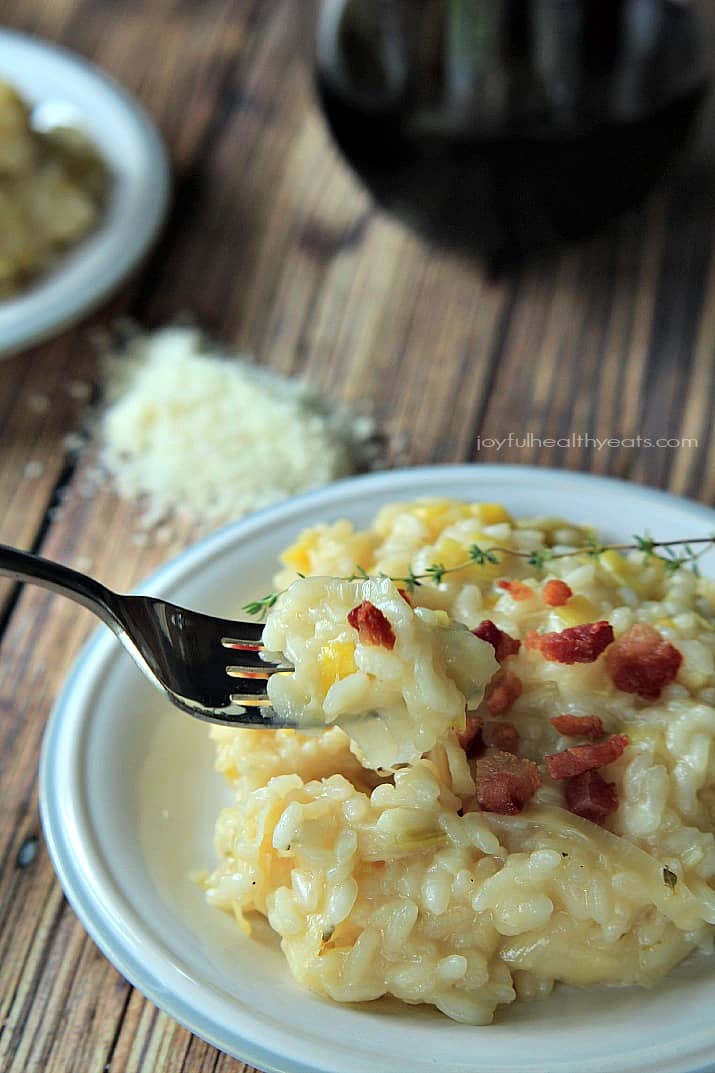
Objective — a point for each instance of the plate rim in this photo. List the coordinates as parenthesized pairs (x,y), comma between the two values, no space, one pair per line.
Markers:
(101,644)
(26,326)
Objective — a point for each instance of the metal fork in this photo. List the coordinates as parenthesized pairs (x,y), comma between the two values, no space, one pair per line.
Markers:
(185,654)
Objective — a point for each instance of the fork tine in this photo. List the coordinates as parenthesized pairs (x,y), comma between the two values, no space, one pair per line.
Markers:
(267,671)
(249,700)
(250,639)
(242,645)
(260,660)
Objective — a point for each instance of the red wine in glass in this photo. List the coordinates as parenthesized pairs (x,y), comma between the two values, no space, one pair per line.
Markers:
(501,127)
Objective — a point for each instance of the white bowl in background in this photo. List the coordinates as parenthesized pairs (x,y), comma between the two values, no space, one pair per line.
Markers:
(71,91)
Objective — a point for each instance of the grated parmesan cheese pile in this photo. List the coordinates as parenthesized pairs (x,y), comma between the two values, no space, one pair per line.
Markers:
(192,430)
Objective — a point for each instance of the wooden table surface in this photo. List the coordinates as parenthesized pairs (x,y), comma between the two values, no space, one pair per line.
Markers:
(276,249)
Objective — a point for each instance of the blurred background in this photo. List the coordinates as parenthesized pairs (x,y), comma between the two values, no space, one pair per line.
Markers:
(536,123)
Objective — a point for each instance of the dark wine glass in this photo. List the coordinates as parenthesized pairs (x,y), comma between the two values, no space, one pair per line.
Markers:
(504,126)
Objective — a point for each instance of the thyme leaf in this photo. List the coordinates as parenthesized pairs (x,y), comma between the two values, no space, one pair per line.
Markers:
(436,572)
(482,555)
(258,608)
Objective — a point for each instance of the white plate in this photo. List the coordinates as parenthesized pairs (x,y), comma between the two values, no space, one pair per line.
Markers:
(71,91)
(129,799)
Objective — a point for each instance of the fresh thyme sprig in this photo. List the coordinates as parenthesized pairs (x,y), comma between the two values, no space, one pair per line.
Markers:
(260,607)
(478,556)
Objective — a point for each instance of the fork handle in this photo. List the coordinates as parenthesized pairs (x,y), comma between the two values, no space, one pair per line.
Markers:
(33,570)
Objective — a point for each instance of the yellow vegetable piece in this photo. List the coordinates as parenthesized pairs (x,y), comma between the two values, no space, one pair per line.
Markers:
(298,555)
(450,552)
(577,611)
(616,565)
(438,514)
(491,513)
(336,661)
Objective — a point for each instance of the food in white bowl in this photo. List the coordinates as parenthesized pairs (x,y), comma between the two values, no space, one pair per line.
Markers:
(53,185)
(67,94)
(560,831)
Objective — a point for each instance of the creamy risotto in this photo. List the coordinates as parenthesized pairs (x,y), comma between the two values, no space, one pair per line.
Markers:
(531,798)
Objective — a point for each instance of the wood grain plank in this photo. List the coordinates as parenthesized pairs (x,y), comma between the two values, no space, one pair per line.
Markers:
(693,472)
(587,353)
(50,1012)
(43,396)
(47,20)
